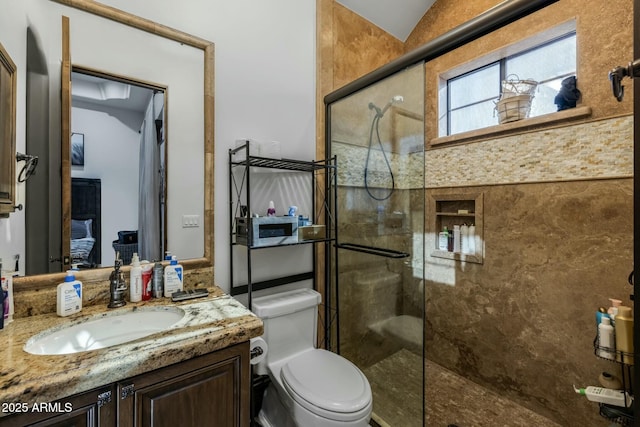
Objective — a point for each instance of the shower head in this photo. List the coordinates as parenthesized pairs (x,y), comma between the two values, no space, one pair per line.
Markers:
(380,112)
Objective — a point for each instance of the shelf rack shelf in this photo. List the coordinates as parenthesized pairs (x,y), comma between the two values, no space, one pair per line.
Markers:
(615,414)
(323,201)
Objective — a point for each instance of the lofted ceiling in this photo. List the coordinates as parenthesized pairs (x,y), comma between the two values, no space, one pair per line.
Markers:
(397,17)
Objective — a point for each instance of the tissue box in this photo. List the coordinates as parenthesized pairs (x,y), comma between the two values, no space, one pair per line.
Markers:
(311,232)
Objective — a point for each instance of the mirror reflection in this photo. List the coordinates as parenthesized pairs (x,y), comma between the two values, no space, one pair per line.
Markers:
(117,169)
(107,184)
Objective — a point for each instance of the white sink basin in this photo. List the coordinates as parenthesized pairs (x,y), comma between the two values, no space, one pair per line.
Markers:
(104,331)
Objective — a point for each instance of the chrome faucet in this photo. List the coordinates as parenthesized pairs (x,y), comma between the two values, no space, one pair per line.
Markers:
(117,285)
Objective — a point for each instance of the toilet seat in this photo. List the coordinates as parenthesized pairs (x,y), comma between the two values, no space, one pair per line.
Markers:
(328,385)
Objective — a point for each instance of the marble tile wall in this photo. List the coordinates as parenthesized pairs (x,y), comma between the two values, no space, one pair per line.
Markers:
(558,222)
(522,323)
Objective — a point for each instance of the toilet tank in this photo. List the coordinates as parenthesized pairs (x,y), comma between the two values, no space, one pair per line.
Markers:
(290,322)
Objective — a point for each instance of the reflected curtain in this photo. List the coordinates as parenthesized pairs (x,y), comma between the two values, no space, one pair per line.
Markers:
(150,184)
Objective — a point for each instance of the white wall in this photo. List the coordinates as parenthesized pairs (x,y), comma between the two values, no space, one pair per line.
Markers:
(111,154)
(264,84)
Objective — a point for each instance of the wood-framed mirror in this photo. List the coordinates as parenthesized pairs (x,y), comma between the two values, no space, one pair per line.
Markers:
(8,78)
(205,190)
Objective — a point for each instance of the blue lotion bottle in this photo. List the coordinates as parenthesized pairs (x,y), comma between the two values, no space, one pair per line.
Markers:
(173,278)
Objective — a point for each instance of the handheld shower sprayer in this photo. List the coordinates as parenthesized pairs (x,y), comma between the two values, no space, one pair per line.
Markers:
(375,130)
(380,112)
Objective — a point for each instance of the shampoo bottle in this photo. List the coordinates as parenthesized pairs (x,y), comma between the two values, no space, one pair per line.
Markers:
(602,312)
(69,298)
(606,339)
(624,335)
(464,239)
(172,277)
(135,279)
(472,239)
(456,239)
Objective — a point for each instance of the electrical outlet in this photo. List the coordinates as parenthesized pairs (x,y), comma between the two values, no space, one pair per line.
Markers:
(190,221)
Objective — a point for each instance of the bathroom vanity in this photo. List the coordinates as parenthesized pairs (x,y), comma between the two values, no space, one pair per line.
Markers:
(197,372)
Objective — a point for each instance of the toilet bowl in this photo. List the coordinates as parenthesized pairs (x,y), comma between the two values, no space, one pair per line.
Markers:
(309,387)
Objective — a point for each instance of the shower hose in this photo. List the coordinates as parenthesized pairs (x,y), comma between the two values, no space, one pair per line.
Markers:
(374,127)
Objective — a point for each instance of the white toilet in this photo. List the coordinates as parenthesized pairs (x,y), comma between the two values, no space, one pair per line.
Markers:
(309,387)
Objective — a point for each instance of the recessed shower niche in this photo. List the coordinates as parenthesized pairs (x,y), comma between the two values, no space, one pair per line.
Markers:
(452,211)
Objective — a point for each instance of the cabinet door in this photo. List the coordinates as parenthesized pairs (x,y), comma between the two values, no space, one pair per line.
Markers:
(95,408)
(210,390)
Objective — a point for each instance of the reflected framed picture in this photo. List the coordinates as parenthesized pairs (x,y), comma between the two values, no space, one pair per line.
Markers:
(77,149)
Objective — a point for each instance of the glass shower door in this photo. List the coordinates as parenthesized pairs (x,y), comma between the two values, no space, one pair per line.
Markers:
(377,136)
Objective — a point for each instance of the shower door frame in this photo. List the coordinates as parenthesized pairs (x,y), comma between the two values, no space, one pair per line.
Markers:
(505,13)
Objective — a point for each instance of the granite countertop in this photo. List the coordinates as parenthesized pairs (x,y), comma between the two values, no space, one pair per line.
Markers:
(210,323)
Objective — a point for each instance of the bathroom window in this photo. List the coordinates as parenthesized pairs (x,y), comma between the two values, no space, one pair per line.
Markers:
(468,98)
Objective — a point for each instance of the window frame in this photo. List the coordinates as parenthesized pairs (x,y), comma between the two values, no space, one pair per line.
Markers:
(502,64)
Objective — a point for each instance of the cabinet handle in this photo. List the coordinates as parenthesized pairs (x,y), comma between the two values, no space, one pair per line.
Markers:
(104,398)
(127,391)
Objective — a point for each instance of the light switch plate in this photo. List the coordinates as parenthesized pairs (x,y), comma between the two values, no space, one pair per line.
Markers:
(190,221)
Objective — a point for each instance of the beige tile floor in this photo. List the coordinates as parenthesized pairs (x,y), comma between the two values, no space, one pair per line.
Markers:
(450,399)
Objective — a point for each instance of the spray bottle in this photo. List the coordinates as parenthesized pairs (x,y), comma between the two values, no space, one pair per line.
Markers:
(135,279)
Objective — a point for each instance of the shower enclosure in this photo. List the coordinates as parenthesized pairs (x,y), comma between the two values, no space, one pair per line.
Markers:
(377,136)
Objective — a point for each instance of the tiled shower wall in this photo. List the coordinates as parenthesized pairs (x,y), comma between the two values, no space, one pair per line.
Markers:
(558,242)
(558,218)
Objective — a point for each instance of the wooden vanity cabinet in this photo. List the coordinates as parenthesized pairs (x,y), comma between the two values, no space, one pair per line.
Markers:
(210,390)
(95,408)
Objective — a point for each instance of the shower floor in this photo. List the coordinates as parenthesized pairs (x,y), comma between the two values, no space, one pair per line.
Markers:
(396,383)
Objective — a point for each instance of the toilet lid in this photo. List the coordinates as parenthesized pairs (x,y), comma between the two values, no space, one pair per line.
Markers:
(326,383)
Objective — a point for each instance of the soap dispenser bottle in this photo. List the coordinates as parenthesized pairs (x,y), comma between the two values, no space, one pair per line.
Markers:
(69,295)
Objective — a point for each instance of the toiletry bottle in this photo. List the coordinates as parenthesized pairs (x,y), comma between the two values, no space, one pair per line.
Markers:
(613,310)
(624,335)
(2,294)
(464,239)
(135,279)
(158,280)
(471,237)
(172,277)
(456,239)
(147,274)
(271,210)
(602,312)
(443,239)
(605,395)
(606,340)
(69,295)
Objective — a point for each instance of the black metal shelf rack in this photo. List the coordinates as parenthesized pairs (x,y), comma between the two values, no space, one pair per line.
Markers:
(323,200)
